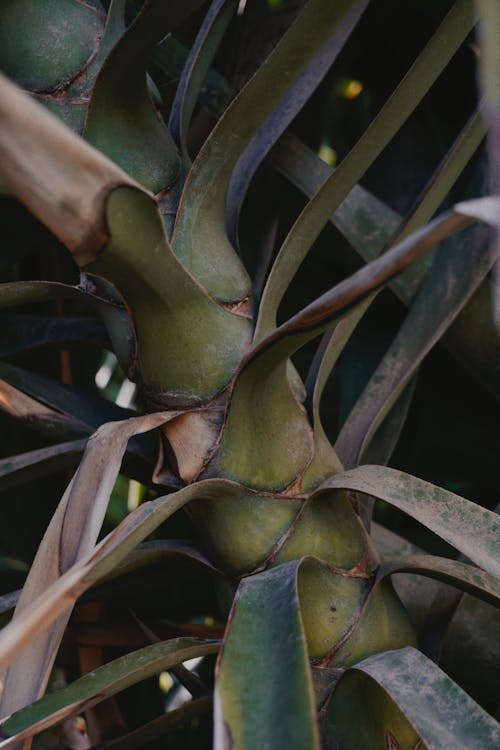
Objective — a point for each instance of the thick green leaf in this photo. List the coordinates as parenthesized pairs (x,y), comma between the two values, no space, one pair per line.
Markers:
(72,187)
(44,45)
(89,206)
(263,675)
(101,684)
(398,108)
(267,440)
(200,237)
(471,529)
(201,341)
(70,102)
(265,418)
(328,614)
(121,120)
(392,699)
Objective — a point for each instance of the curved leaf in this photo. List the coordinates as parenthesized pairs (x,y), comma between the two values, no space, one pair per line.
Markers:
(100,684)
(72,187)
(71,534)
(59,598)
(285,111)
(87,410)
(93,292)
(44,45)
(468,527)
(398,108)
(157,728)
(196,68)
(20,333)
(416,700)
(171,56)
(121,119)
(69,184)
(200,237)
(470,652)
(38,463)
(458,269)
(321,313)
(201,341)
(466,577)
(150,553)
(264,416)
(37,415)
(369,225)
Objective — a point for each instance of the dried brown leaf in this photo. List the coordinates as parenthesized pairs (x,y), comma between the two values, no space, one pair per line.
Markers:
(71,536)
(61,179)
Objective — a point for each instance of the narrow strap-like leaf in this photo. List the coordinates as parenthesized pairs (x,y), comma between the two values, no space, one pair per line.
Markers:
(200,237)
(196,68)
(91,411)
(157,728)
(38,415)
(489,14)
(440,316)
(100,684)
(465,577)
(397,109)
(258,427)
(459,267)
(72,533)
(368,225)
(415,695)
(59,598)
(283,114)
(317,316)
(95,294)
(38,463)
(471,529)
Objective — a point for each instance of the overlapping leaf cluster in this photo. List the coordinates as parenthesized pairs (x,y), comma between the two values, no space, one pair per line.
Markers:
(318,648)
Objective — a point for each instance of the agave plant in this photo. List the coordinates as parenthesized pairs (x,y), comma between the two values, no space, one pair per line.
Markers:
(314,647)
